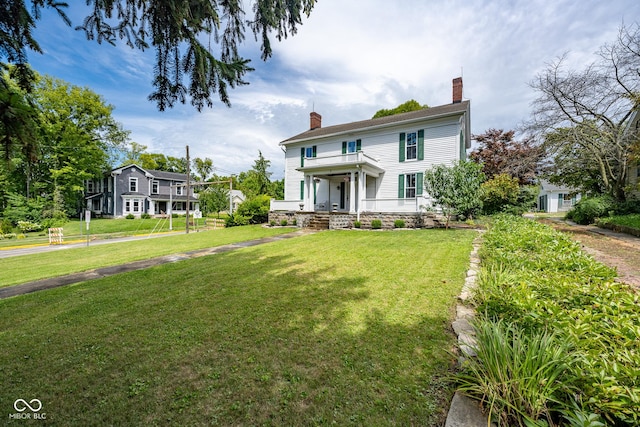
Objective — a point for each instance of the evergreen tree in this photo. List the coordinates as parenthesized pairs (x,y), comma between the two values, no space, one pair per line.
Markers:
(180,32)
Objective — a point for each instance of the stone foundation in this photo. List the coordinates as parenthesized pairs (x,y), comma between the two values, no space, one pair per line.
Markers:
(341,220)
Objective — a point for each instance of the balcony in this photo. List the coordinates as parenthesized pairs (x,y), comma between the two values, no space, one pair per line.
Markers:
(342,163)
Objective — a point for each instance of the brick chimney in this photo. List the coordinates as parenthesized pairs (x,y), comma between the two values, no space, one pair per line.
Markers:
(315,120)
(457,90)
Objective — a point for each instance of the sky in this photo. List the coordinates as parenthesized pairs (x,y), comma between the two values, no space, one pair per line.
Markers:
(349,59)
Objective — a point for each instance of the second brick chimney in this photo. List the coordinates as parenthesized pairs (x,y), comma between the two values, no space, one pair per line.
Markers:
(457,90)
(315,121)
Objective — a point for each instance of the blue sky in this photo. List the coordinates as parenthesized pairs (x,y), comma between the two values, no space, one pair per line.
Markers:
(349,59)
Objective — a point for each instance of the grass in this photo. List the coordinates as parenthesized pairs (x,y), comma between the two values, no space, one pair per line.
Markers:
(336,328)
(104,229)
(632,220)
(26,268)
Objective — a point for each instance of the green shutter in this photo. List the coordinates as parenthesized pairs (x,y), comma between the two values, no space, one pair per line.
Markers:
(302,190)
(358,145)
(344,147)
(302,157)
(402,146)
(419,183)
(314,193)
(314,150)
(400,186)
(421,144)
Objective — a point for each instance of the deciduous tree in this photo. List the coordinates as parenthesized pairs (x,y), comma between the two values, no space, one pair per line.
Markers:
(499,153)
(585,114)
(455,188)
(410,105)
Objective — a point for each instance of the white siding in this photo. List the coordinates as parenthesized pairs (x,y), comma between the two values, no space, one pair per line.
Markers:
(441,146)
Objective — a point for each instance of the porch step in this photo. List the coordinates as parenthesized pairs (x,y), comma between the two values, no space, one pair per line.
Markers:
(319,221)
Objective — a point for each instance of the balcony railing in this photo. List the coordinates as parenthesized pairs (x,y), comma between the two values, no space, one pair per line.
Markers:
(349,159)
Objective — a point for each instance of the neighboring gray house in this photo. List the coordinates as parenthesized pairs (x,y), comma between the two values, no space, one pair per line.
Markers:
(133,190)
(553,198)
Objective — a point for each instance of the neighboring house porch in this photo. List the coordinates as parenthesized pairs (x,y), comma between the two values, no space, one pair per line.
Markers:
(553,198)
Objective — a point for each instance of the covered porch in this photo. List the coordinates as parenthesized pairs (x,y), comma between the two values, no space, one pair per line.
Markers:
(339,183)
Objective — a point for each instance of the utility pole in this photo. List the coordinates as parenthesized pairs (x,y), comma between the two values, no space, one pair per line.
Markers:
(188,188)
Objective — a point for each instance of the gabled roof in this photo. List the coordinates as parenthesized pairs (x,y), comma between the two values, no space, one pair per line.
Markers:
(173,176)
(427,113)
(168,175)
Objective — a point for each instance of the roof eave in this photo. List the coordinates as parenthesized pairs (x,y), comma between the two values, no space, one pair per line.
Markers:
(380,126)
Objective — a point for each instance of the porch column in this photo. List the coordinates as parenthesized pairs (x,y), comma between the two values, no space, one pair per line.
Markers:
(362,190)
(312,189)
(352,193)
(308,197)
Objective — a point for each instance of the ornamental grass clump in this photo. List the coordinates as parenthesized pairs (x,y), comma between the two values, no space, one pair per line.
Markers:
(538,281)
(518,375)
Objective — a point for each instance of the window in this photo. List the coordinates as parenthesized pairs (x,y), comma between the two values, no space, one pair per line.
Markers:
(155,185)
(351,146)
(412,146)
(133,185)
(133,206)
(180,190)
(89,186)
(307,152)
(410,185)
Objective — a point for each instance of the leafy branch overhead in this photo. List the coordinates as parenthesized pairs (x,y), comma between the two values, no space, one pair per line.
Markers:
(180,32)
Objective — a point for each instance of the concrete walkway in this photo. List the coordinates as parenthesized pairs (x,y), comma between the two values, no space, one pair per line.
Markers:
(55,282)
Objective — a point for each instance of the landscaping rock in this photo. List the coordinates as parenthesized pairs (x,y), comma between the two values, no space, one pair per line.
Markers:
(465,412)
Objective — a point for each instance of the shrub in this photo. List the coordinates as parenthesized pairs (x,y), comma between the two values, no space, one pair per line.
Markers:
(376,224)
(6,226)
(627,208)
(26,226)
(398,223)
(284,223)
(236,220)
(499,193)
(294,222)
(587,210)
(130,216)
(145,216)
(357,224)
(272,223)
(255,209)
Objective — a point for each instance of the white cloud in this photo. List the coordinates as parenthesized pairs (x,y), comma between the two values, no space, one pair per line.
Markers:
(349,59)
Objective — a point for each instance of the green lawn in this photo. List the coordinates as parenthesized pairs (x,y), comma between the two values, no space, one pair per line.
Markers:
(26,268)
(336,328)
(106,229)
(631,220)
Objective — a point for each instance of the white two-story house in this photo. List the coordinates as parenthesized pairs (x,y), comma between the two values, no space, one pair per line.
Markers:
(373,165)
